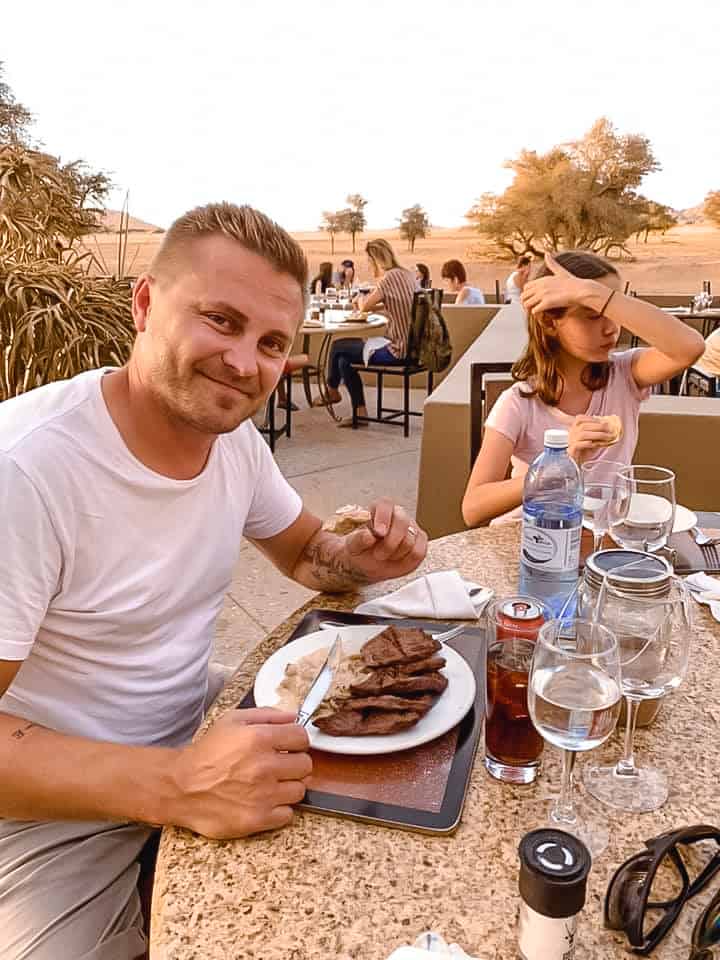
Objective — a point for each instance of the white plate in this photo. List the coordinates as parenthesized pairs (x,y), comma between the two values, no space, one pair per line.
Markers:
(449,709)
(684,519)
(649,510)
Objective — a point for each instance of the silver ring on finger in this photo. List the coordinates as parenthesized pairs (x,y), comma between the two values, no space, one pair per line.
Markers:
(412,531)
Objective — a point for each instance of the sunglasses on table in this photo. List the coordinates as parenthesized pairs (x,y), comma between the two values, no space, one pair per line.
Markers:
(665,870)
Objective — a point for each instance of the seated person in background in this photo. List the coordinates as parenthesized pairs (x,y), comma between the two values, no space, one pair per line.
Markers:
(128,492)
(568,376)
(395,289)
(467,296)
(323,279)
(517,280)
(422,276)
(345,277)
(709,362)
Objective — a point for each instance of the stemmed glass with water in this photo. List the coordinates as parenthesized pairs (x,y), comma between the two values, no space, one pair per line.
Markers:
(574,698)
(653,639)
(648,520)
(606,497)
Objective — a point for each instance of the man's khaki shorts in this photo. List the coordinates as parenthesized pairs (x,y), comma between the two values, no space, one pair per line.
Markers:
(68,890)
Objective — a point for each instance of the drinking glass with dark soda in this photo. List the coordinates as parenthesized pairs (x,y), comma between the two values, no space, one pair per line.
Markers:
(512,744)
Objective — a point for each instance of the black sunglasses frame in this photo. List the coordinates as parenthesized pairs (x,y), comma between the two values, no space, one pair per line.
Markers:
(658,848)
(708,951)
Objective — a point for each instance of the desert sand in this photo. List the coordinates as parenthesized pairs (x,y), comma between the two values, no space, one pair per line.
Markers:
(677,262)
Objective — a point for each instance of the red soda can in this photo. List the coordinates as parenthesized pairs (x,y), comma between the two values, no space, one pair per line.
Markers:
(519,617)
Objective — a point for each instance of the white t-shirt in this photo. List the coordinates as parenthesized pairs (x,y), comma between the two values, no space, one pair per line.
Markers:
(512,290)
(111,575)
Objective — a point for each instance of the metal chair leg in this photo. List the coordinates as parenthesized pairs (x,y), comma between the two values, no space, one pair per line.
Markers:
(406,404)
(271,421)
(379,395)
(288,406)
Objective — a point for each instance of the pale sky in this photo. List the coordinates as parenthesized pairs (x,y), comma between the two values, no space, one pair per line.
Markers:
(290,106)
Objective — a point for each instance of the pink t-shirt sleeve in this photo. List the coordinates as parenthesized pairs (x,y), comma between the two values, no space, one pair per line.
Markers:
(508,416)
(623,379)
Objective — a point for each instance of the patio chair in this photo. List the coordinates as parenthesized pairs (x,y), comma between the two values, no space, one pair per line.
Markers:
(268,429)
(393,415)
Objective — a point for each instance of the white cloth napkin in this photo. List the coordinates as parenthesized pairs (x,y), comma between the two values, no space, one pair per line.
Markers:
(709,588)
(430,944)
(371,345)
(442,595)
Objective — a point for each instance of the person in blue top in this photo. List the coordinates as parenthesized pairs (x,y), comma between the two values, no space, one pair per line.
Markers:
(456,276)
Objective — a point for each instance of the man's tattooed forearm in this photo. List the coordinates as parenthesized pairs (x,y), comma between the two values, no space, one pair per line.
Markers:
(21,731)
(330,565)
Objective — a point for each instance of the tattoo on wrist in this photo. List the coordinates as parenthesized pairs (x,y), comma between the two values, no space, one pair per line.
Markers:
(330,564)
(21,731)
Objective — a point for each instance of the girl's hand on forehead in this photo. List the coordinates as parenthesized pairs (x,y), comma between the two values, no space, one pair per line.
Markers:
(562,289)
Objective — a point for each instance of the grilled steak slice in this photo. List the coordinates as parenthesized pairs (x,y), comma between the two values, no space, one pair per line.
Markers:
(420,704)
(398,645)
(365,723)
(421,666)
(390,681)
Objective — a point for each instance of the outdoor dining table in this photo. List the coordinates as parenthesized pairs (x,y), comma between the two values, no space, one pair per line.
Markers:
(710,318)
(334,323)
(326,887)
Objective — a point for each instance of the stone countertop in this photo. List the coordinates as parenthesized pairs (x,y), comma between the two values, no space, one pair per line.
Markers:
(330,887)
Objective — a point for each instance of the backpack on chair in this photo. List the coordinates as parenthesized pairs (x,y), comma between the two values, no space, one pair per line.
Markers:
(429,342)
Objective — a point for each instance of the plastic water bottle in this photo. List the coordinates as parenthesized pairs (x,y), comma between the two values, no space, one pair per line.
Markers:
(552,524)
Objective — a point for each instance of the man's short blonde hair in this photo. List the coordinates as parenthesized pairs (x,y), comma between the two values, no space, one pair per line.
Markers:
(249,227)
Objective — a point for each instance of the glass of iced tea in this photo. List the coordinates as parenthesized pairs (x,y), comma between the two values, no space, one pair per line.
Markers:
(512,744)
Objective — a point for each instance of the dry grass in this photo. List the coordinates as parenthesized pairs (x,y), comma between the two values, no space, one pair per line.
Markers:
(675,263)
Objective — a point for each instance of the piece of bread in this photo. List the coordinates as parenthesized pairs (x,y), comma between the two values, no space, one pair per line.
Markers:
(615,424)
(346,519)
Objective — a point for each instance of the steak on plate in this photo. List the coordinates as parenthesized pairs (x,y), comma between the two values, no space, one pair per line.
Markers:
(398,645)
(364,723)
(420,704)
(421,666)
(391,681)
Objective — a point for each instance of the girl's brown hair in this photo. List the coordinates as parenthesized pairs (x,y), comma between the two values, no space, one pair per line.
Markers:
(538,365)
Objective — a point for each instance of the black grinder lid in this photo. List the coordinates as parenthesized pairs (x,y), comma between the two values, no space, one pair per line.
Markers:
(553,872)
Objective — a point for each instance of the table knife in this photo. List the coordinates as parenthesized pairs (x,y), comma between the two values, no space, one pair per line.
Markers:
(319,687)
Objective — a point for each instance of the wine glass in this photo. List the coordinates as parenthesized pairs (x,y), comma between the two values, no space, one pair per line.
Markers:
(653,637)
(574,701)
(605,497)
(649,519)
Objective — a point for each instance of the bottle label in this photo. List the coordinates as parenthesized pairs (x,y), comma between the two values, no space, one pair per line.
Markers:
(556,551)
(545,938)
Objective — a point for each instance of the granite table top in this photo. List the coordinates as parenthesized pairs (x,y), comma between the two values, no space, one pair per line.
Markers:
(337,888)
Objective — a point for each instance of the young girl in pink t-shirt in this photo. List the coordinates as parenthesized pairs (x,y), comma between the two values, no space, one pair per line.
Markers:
(569,376)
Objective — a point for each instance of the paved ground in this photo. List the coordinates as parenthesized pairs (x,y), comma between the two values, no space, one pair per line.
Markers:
(328,467)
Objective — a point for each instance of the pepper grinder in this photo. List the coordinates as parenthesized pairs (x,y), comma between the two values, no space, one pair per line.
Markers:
(553,875)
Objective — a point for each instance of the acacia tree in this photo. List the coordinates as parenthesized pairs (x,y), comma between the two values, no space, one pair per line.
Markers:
(579,194)
(14,117)
(414,224)
(711,207)
(655,218)
(332,223)
(352,218)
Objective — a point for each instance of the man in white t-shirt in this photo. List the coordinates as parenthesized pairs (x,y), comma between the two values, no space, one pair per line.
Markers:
(126,494)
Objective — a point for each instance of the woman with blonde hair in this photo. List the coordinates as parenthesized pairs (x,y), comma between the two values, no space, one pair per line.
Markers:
(395,290)
(569,376)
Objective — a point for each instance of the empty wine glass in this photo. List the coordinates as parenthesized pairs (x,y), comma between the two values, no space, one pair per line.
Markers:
(649,519)
(653,638)
(574,701)
(605,499)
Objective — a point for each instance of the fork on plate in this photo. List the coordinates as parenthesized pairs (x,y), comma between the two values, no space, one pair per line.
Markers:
(441,637)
